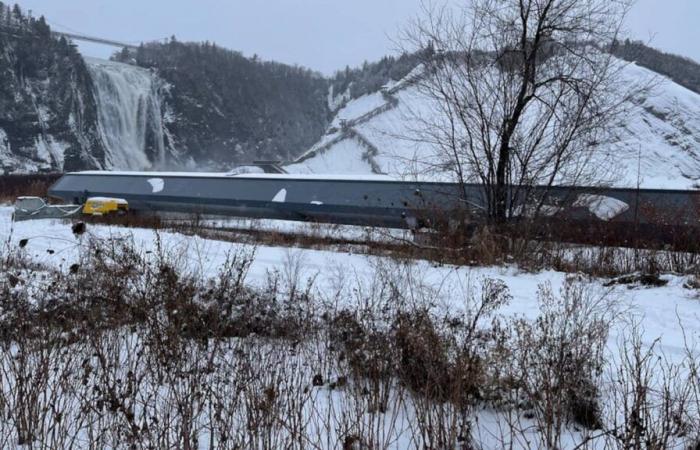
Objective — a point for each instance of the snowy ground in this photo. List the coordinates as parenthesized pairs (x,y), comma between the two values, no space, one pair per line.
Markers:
(345,233)
(660,309)
(670,313)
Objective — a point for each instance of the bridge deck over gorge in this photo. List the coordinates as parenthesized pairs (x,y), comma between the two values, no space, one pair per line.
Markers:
(98,40)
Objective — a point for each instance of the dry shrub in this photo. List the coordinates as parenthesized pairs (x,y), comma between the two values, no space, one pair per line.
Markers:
(487,247)
(653,401)
(443,362)
(559,358)
(123,351)
(133,350)
(132,219)
(37,185)
(424,357)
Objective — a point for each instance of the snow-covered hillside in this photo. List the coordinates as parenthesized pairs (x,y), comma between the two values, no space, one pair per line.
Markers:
(657,143)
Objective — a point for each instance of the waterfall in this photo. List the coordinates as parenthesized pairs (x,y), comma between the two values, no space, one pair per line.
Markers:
(129,115)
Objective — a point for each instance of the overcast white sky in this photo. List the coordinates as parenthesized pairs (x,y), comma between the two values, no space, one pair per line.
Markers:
(324,35)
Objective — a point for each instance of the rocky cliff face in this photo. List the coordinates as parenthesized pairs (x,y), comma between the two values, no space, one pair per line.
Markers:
(60,112)
(48,113)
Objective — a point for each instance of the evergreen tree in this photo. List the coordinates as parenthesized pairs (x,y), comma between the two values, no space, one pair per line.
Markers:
(683,71)
(17,14)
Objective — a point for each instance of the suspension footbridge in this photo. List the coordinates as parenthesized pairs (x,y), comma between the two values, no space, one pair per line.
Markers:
(98,40)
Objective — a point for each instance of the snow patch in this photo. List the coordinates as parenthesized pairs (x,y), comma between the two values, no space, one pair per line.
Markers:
(605,208)
(119,201)
(50,151)
(359,107)
(44,114)
(5,152)
(336,101)
(342,158)
(242,170)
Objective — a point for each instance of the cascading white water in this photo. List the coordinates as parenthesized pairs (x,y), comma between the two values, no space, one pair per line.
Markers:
(128,107)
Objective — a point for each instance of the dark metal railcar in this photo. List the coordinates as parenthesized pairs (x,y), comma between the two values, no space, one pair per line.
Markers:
(371,201)
(361,201)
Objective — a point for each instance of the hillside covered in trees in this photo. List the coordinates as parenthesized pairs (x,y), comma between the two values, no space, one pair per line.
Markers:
(48,116)
(232,108)
(227,108)
(680,69)
(352,83)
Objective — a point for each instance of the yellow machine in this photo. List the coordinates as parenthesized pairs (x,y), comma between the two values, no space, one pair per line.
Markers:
(102,206)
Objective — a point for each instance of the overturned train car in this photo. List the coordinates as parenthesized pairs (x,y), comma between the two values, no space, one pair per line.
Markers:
(378,201)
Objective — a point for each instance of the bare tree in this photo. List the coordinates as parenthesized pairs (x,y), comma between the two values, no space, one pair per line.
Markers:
(523,93)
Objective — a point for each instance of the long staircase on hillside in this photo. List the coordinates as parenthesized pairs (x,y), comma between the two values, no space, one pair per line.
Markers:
(347,127)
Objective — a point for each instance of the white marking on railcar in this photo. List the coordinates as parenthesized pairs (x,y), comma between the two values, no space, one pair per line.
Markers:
(281,196)
(157,184)
(316,202)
